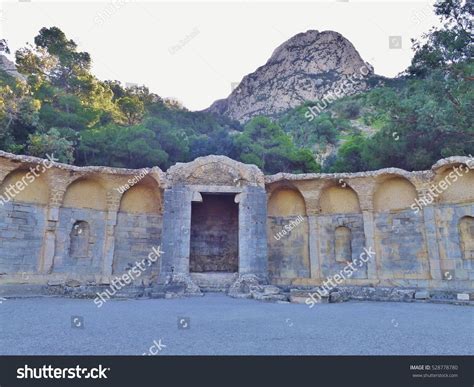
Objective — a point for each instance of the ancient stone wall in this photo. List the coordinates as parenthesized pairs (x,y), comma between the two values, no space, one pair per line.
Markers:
(90,224)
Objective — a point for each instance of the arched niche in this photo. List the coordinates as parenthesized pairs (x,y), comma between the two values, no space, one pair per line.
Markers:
(142,198)
(86,193)
(456,184)
(395,193)
(79,240)
(339,200)
(22,185)
(286,201)
(343,244)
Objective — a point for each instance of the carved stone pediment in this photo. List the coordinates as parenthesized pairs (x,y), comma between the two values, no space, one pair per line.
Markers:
(215,170)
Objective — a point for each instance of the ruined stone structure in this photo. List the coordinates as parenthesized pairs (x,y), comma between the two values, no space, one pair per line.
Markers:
(219,221)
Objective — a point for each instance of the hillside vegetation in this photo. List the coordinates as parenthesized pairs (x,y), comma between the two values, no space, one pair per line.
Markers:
(410,122)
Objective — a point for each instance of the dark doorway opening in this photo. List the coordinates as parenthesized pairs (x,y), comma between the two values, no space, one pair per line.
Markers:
(214,234)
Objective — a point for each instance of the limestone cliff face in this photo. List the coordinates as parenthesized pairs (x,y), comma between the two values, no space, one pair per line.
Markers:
(9,67)
(307,67)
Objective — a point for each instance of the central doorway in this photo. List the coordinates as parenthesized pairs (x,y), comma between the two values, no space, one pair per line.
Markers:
(214,246)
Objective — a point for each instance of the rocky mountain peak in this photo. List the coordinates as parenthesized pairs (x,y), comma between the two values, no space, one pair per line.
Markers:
(307,67)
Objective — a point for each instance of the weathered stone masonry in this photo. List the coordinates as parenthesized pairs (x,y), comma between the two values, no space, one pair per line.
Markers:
(217,220)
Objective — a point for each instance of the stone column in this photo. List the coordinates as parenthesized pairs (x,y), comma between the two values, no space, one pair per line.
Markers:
(252,231)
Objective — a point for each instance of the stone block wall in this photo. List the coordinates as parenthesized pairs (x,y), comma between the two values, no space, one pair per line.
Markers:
(135,236)
(21,237)
(401,245)
(93,223)
(65,259)
(288,248)
(454,261)
(328,225)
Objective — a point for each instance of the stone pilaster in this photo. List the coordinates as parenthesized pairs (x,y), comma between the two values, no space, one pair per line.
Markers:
(370,242)
(46,261)
(365,189)
(57,182)
(113,205)
(428,213)
(314,254)
(176,231)
(252,231)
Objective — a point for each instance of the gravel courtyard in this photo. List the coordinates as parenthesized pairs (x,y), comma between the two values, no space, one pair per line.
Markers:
(220,325)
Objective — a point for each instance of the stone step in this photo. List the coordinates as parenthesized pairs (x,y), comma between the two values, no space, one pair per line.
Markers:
(214,281)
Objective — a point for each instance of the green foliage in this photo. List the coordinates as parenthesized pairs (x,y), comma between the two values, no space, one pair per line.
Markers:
(132,108)
(307,130)
(425,121)
(63,109)
(51,143)
(266,145)
(445,47)
(408,122)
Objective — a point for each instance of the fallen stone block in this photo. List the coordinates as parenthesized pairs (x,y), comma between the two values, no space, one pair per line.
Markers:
(335,297)
(73,283)
(55,282)
(422,295)
(270,297)
(300,297)
(463,296)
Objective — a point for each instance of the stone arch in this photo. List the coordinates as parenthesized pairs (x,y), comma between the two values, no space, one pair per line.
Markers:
(343,244)
(456,183)
(142,198)
(288,234)
(139,224)
(86,192)
(339,200)
(22,185)
(79,240)
(286,201)
(394,193)
(466,232)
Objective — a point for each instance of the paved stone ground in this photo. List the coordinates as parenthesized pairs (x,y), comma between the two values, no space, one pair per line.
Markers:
(221,325)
